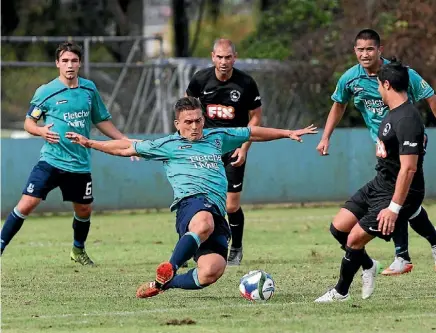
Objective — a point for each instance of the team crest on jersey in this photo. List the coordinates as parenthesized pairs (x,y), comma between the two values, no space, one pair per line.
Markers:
(386,129)
(235,95)
(357,89)
(185,147)
(218,143)
(36,113)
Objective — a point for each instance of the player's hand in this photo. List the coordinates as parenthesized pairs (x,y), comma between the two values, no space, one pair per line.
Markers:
(323,147)
(48,135)
(134,158)
(77,138)
(386,221)
(296,135)
(241,155)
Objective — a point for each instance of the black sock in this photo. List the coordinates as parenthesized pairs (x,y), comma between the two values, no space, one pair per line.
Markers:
(342,237)
(351,263)
(401,241)
(236,222)
(12,225)
(81,230)
(423,227)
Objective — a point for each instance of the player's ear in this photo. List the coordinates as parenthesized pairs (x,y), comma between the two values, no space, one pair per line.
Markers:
(212,55)
(176,123)
(236,55)
(380,50)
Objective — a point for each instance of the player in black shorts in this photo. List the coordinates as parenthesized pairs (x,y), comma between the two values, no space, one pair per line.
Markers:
(230,98)
(385,204)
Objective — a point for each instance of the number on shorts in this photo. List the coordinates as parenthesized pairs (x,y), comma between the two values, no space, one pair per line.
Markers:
(88,189)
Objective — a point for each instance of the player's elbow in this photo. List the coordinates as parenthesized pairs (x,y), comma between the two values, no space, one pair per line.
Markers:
(409,168)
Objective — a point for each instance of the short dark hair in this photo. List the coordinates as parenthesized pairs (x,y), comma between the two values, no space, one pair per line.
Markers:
(368,34)
(396,74)
(69,47)
(186,104)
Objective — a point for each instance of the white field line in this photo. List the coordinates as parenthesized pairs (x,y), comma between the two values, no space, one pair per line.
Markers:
(217,307)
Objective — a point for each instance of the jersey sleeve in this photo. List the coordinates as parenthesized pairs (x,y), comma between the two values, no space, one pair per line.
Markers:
(99,111)
(234,137)
(152,150)
(420,88)
(37,108)
(253,96)
(194,87)
(342,93)
(410,135)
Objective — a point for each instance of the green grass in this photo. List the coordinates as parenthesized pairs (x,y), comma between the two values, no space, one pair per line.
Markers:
(42,291)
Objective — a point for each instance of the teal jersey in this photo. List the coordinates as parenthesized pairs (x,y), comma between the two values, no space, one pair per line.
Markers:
(195,167)
(357,84)
(69,110)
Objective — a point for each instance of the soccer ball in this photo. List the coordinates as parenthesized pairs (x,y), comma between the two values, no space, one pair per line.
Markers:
(257,286)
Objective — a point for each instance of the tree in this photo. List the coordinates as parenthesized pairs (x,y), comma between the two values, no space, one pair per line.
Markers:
(181,28)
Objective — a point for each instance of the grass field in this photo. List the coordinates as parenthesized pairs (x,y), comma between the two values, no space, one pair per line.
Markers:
(43,291)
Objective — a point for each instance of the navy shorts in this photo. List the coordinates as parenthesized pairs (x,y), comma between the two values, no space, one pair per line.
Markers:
(218,240)
(75,187)
(369,200)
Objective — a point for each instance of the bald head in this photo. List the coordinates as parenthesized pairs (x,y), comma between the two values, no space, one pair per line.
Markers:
(223,57)
(224,43)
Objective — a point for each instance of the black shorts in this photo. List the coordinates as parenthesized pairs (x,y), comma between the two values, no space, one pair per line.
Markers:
(369,200)
(75,187)
(235,175)
(218,240)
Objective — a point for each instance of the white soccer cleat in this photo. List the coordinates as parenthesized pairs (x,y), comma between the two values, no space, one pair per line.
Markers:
(332,296)
(399,266)
(368,279)
(433,252)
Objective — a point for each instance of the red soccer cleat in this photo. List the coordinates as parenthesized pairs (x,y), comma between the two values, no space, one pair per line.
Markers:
(164,274)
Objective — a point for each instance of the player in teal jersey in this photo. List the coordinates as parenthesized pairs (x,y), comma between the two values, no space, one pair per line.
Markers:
(67,103)
(194,167)
(360,84)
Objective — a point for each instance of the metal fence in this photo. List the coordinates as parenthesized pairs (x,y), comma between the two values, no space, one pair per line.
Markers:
(140,92)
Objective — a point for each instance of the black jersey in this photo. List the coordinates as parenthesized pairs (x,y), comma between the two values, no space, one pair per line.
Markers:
(401,133)
(225,103)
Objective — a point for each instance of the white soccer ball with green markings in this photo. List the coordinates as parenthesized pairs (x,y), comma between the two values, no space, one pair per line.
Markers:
(257,286)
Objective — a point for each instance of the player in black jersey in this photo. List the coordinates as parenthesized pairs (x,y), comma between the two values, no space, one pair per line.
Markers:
(385,204)
(230,98)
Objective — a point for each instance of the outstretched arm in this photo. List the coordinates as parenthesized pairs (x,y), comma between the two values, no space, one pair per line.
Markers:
(335,115)
(269,134)
(121,147)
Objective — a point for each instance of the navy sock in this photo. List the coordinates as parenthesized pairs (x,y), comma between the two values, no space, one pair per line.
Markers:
(236,222)
(12,225)
(423,227)
(185,249)
(81,230)
(189,280)
(351,263)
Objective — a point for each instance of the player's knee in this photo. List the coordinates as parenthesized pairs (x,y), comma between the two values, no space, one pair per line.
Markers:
(355,241)
(27,204)
(203,225)
(233,206)
(209,274)
(83,211)
(340,236)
